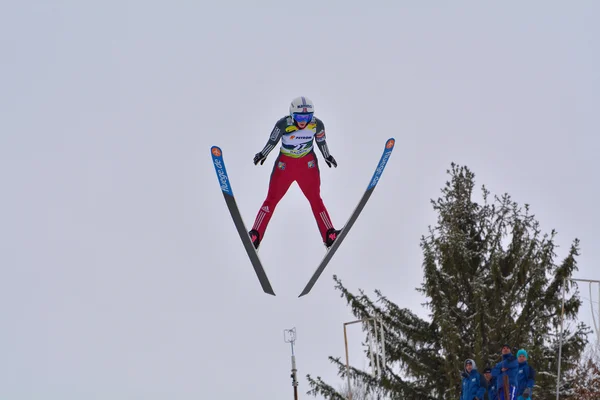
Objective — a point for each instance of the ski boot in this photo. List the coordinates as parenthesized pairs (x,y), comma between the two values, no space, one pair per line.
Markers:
(255,237)
(330,236)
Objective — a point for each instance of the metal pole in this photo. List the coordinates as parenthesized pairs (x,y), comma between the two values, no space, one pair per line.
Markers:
(347,363)
(370,346)
(377,347)
(382,347)
(373,349)
(562,312)
(291,338)
(347,358)
(590,281)
(585,280)
(294,379)
(593,315)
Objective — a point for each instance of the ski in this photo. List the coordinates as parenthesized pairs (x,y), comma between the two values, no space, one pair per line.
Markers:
(223,178)
(387,152)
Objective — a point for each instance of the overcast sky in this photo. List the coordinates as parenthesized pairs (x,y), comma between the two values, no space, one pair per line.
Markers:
(122,275)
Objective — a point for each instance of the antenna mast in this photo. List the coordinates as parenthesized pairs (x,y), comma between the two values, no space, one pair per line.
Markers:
(289,336)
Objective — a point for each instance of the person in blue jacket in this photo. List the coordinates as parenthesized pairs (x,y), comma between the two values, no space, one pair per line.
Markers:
(507,367)
(525,376)
(491,385)
(473,387)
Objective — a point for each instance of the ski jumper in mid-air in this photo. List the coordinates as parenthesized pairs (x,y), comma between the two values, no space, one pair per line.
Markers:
(297,162)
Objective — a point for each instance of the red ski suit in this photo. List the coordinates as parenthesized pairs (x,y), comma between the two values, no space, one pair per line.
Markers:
(296,162)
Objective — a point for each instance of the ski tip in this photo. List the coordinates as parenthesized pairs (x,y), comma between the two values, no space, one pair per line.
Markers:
(219,164)
(390,143)
(216,151)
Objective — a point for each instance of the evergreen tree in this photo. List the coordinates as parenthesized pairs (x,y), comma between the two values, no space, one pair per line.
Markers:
(490,278)
(585,378)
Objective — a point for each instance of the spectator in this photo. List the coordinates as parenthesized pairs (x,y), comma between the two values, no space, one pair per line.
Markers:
(491,390)
(508,368)
(473,386)
(525,376)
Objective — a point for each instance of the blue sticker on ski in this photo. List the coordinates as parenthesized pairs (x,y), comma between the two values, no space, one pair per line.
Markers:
(387,152)
(219,163)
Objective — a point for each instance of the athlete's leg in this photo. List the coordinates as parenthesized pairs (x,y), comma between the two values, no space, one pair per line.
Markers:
(280,182)
(309,180)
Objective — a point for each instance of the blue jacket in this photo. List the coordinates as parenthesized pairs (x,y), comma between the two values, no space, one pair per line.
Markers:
(525,378)
(472,384)
(492,389)
(508,361)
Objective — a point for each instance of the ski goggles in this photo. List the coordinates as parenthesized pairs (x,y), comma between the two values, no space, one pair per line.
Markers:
(302,117)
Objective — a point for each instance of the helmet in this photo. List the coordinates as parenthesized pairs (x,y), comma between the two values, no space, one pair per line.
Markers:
(302,109)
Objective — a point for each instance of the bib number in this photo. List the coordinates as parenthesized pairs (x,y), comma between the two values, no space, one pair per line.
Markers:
(299,147)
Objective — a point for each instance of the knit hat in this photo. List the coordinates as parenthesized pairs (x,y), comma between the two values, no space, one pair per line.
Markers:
(487,370)
(522,352)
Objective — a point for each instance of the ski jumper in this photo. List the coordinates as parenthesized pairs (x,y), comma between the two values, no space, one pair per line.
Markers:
(296,162)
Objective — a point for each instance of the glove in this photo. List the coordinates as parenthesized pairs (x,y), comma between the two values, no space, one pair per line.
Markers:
(259,157)
(330,160)
(527,393)
(464,374)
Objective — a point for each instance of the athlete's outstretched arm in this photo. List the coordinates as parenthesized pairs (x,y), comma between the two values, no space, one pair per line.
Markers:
(321,140)
(276,134)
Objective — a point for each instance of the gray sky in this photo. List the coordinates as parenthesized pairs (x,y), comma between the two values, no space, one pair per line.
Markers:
(122,274)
